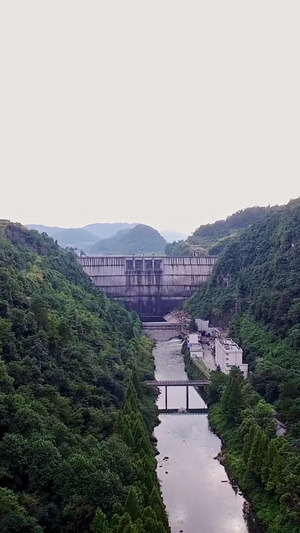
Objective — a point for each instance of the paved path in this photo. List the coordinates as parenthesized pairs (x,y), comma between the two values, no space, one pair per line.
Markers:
(207,358)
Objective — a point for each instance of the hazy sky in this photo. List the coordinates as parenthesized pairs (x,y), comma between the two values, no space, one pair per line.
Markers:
(171,113)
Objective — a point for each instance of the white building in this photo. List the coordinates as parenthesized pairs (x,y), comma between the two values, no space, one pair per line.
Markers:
(193,342)
(204,325)
(229,354)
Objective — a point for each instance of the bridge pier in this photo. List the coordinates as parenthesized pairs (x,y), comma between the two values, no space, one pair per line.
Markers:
(166,397)
(187,397)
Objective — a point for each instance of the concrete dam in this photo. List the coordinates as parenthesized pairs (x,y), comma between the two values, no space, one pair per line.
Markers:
(151,286)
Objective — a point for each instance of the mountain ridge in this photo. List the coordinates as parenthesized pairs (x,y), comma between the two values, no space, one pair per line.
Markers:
(140,239)
(90,235)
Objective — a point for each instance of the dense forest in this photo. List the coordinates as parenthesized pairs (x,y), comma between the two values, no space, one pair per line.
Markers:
(255,287)
(266,467)
(75,419)
(138,240)
(255,290)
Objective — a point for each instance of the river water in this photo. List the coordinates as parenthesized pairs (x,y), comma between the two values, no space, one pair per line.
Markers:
(196,489)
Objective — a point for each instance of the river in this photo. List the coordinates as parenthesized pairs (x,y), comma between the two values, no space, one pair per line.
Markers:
(196,489)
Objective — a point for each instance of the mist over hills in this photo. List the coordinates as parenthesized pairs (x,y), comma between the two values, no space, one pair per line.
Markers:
(116,238)
(88,237)
(172,235)
(52,231)
(104,230)
(82,238)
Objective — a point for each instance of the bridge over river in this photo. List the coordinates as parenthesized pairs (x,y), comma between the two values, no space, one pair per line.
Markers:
(151,285)
(197,383)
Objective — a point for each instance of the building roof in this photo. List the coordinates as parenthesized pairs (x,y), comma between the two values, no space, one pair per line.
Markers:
(228,344)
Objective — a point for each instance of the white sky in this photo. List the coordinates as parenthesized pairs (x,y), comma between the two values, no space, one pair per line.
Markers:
(170,113)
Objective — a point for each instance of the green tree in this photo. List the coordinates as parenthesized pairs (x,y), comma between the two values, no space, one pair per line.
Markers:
(100,523)
(157,505)
(132,505)
(136,383)
(217,385)
(13,517)
(257,452)
(249,440)
(264,414)
(274,468)
(232,399)
(125,524)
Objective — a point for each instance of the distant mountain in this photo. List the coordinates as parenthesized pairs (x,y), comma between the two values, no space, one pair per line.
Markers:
(82,238)
(172,235)
(138,240)
(68,237)
(104,230)
(74,237)
(50,230)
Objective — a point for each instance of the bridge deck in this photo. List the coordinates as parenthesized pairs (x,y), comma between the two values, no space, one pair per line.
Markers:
(189,411)
(178,383)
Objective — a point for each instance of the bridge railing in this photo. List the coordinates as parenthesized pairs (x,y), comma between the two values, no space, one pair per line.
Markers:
(178,383)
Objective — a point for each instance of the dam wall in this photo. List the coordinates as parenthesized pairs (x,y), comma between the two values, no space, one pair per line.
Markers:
(150,285)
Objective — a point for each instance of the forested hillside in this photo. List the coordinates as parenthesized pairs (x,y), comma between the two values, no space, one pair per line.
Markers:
(75,420)
(211,236)
(255,289)
(256,286)
(265,466)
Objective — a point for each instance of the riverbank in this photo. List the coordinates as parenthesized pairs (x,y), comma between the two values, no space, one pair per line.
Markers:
(252,454)
(231,461)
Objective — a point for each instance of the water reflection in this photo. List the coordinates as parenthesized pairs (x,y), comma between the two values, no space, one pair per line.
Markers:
(196,489)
